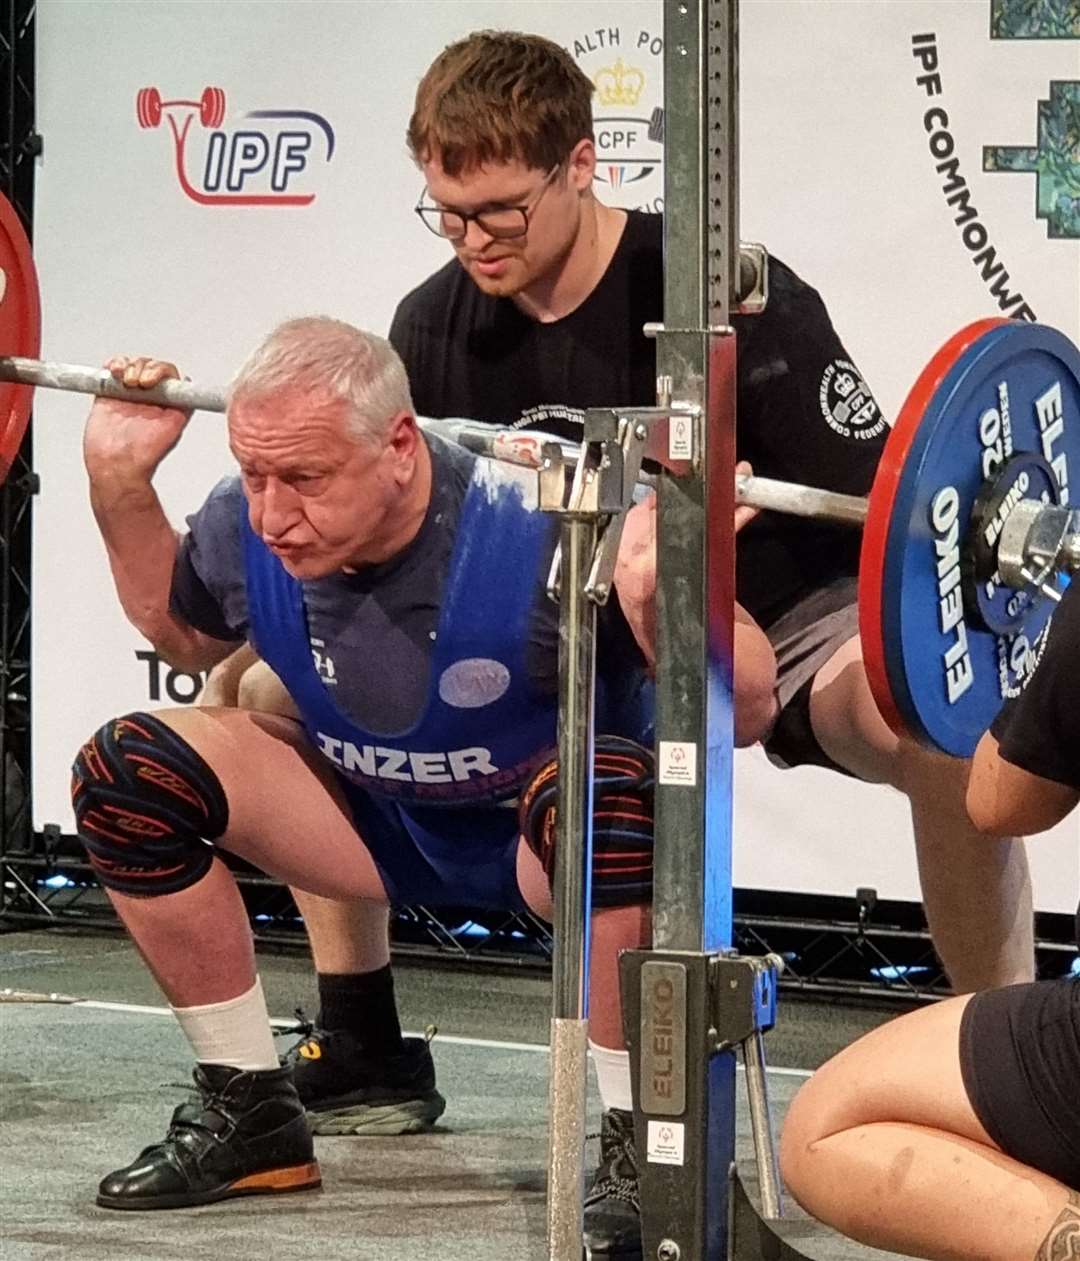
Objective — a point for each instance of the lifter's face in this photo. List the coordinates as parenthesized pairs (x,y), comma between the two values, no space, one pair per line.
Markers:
(318,499)
(503,268)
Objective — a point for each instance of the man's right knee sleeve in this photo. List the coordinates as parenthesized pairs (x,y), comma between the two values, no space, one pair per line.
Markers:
(623,793)
(146,806)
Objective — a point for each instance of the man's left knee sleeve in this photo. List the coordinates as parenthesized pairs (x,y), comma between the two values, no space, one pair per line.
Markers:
(146,804)
(624,783)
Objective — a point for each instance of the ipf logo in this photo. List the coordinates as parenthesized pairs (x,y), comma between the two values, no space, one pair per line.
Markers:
(254,165)
(628,119)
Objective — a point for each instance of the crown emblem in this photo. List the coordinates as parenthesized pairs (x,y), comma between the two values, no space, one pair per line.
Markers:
(619,84)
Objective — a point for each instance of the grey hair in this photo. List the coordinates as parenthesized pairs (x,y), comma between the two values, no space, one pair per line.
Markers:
(328,356)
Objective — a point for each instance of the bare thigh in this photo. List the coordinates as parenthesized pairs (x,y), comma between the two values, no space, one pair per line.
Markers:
(533,882)
(906,1071)
(223,681)
(287,813)
(847,722)
(261,689)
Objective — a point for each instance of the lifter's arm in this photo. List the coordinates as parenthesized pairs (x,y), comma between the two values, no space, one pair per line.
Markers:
(122,447)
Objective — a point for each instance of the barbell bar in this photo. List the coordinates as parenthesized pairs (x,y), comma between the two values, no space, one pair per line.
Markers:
(992,422)
(514,446)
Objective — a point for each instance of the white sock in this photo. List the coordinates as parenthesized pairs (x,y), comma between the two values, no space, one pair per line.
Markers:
(235,1032)
(612,1077)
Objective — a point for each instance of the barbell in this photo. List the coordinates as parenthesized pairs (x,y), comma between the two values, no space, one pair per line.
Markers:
(991,425)
(149,107)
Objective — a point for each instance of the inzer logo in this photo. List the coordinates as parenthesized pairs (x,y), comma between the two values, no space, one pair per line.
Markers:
(628,118)
(252,165)
(454,766)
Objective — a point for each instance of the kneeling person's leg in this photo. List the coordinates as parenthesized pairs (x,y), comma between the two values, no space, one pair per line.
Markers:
(929,1135)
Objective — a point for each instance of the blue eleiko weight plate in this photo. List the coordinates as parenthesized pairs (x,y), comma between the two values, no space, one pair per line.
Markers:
(996,389)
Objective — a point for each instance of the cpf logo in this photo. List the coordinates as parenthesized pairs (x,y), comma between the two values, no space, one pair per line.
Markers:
(625,67)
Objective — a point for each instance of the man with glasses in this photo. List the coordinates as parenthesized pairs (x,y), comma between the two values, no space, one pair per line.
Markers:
(539,316)
(500,222)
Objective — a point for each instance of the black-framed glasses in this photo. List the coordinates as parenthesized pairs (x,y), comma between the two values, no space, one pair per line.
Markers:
(501,222)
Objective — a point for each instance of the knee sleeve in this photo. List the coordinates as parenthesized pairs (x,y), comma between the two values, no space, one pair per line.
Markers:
(146,804)
(623,791)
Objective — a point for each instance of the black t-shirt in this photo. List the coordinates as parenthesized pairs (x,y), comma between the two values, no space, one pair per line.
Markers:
(372,631)
(804,414)
(1039,730)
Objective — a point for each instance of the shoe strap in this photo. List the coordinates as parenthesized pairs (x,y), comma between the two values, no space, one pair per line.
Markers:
(209,1115)
(615,1187)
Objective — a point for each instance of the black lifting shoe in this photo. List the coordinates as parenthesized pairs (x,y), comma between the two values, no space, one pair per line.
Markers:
(246,1135)
(347,1091)
(612,1224)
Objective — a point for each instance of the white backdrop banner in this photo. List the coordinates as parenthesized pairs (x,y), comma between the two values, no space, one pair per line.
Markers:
(202,181)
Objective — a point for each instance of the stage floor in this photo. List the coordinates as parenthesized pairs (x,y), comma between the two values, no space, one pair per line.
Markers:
(85,1085)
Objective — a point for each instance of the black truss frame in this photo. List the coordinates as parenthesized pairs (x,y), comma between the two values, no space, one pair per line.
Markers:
(849,946)
(855,947)
(19,146)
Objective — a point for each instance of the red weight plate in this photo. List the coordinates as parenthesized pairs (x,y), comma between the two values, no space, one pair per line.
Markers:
(882,499)
(20,329)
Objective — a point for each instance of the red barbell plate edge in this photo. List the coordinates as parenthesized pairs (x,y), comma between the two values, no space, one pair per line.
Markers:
(22,291)
(879,517)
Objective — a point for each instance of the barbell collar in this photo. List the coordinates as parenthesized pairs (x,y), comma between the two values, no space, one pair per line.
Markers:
(1038,534)
(1070,552)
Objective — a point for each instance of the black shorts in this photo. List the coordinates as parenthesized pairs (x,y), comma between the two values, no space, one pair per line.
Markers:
(804,639)
(1020,1059)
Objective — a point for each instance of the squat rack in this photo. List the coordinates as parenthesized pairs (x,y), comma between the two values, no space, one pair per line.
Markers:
(689,1001)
